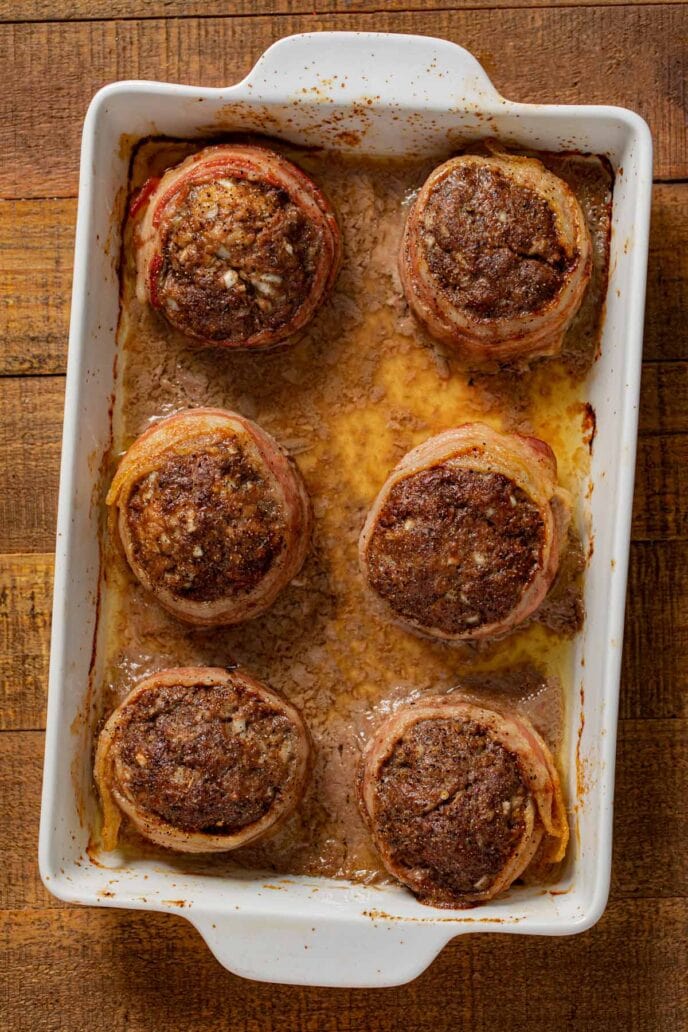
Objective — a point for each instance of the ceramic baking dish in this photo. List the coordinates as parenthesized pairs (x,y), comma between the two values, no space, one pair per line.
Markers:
(384,95)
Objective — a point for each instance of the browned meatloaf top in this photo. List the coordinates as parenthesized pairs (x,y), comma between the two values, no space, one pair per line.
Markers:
(455,548)
(206,524)
(492,246)
(239,257)
(450,807)
(210,759)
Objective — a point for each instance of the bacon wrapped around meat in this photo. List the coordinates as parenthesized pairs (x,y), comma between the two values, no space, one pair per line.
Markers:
(459,799)
(201,759)
(237,247)
(464,539)
(212,515)
(496,257)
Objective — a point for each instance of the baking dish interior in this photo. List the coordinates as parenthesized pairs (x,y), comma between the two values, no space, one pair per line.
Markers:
(398,121)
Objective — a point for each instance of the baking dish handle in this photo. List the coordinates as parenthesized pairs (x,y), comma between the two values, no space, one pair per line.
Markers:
(386,69)
(302,950)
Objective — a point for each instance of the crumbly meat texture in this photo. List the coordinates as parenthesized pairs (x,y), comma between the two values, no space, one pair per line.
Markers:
(454,548)
(239,257)
(206,524)
(492,246)
(450,804)
(205,759)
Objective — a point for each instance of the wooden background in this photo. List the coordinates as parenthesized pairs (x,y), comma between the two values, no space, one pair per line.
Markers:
(68,968)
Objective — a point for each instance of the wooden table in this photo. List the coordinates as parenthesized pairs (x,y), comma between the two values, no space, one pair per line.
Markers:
(70,969)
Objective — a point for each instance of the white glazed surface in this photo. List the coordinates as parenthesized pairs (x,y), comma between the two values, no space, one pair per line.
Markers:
(400,94)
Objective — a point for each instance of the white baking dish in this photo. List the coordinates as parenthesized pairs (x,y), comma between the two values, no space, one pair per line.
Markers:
(380,94)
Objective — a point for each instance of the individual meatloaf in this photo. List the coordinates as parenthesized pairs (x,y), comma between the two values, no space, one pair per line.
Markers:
(236,246)
(459,798)
(201,759)
(496,257)
(212,515)
(464,539)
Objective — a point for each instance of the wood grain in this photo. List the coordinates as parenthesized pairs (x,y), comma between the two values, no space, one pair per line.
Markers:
(25,605)
(36,244)
(654,679)
(77,969)
(651,822)
(569,54)
(132,972)
(30,434)
(80,10)
(666,313)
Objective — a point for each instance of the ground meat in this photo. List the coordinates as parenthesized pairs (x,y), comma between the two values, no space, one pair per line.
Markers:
(210,759)
(492,246)
(455,548)
(206,524)
(239,257)
(450,802)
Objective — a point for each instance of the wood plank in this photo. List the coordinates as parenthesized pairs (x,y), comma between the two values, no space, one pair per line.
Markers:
(36,243)
(21,765)
(651,820)
(570,54)
(145,971)
(664,398)
(666,313)
(36,246)
(30,434)
(654,678)
(25,606)
(660,505)
(83,10)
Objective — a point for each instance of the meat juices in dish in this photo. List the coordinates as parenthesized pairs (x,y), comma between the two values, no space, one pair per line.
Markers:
(201,759)
(495,257)
(237,247)
(464,539)
(459,798)
(212,516)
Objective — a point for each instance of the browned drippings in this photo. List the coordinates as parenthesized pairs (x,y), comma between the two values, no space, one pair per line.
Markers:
(359,388)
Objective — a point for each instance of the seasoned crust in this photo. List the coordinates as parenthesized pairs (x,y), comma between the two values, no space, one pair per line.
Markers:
(206,522)
(458,545)
(239,258)
(495,257)
(212,516)
(459,798)
(201,759)
(464,538)
(236,246)
(491,244)
(204,758)
(451,805)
